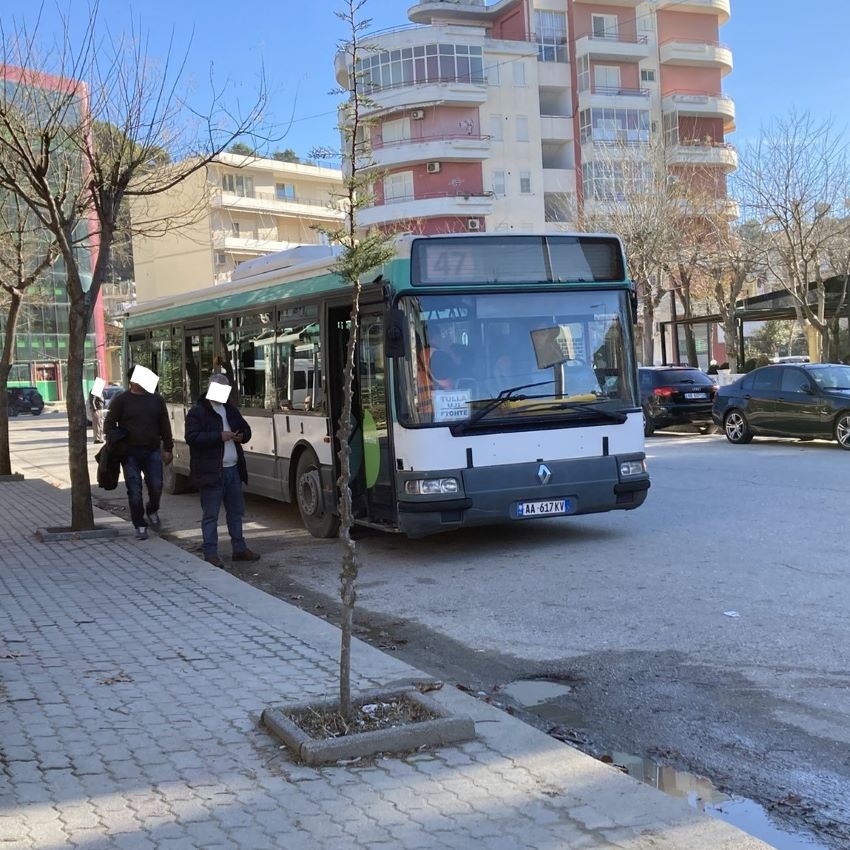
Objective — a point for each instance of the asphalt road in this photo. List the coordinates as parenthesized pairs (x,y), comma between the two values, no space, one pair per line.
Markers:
(707,629)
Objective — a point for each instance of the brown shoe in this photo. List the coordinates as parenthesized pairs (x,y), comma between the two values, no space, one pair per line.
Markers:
(247,555)
(214,560)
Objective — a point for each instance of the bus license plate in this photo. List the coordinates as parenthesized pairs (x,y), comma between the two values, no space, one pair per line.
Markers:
(552,507)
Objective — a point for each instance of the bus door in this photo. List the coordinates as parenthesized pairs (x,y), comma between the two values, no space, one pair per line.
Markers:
(372,477)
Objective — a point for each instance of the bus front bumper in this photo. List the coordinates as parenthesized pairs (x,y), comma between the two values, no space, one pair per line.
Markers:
(519,492)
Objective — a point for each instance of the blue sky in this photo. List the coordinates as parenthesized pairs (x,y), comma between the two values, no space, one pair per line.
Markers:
(786,53)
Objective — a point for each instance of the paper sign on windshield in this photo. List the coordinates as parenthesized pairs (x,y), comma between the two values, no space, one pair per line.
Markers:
(451,405)
(146,379)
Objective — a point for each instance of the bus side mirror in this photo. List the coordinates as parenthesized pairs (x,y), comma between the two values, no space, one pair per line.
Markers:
(394,333)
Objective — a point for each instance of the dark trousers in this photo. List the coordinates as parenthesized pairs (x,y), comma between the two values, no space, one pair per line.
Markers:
(228,491)
(138,463)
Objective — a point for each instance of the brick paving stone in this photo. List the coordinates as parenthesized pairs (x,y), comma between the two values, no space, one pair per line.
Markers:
(130,723)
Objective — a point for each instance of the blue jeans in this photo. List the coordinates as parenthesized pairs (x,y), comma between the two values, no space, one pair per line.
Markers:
(139,462)
(228,491)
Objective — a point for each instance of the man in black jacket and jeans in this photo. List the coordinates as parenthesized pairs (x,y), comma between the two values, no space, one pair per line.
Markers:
(215,432)
(144,417)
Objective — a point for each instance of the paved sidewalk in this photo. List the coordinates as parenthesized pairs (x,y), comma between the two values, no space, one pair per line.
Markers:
(131,679)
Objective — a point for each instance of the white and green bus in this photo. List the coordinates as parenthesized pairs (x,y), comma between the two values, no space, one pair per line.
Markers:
(495,382)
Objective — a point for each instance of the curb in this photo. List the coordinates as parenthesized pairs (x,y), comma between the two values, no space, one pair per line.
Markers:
(60,534)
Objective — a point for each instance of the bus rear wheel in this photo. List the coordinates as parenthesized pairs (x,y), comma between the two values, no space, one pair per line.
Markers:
(308,496)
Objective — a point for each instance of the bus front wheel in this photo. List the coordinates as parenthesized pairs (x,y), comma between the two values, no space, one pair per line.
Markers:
(308,495)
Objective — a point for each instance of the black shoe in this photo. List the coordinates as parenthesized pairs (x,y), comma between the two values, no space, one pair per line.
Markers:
(154,522)
(214,560)
(247,555)
(141,533)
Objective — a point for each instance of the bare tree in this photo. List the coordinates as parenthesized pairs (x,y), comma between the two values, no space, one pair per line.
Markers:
(26,253)
(84,127)
(737,254)
(363,252)
(631,196)
(796,180)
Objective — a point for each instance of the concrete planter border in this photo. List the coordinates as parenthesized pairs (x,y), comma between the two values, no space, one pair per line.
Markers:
(443,730)
(58,535)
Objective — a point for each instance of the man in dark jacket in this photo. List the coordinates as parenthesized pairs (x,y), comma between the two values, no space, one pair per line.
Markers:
(143,416)
(215,432)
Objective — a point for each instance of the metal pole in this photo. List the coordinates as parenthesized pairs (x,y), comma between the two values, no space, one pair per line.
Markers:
(674,324)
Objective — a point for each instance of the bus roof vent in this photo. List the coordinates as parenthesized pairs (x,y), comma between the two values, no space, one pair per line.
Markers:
(284,260)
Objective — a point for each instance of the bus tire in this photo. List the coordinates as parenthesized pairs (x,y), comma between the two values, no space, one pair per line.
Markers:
(173,482)
(308,497)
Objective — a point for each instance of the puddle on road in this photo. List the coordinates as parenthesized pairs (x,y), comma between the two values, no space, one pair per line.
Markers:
(542,697)
(700,793)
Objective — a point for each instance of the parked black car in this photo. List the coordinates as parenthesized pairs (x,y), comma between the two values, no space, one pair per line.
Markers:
(24,400)
(675,395)
(807,401)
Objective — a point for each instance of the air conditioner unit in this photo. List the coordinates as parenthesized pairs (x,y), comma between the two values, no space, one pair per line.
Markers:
(473,224)
(433,167)
(417,114)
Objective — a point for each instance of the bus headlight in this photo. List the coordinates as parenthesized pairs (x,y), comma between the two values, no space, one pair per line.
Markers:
(431,486)
(630,468)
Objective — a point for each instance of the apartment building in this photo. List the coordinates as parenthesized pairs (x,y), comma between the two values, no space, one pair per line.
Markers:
(510,116)
(237,209)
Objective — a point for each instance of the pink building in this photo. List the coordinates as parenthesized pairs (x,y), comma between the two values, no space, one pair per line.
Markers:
(504,116)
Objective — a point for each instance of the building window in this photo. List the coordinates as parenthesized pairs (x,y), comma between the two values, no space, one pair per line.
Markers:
(551,34)
(284,191)
(499,183)
(398,187)
(525,182)
(496,128)
(628,126)
(426,63)
(395,131)
(606,79)
(609,181)
(238,184)
(647,75)
(605,26)
(583,73)
(522,128)
(493,78)
(519,74)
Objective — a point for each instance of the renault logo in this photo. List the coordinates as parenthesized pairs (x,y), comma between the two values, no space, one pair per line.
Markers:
(544,474)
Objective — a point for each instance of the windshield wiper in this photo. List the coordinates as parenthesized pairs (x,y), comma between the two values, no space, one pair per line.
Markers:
(613,415)
(505,395)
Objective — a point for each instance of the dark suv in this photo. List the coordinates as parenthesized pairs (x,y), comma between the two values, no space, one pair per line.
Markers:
(675,395)
(24,400)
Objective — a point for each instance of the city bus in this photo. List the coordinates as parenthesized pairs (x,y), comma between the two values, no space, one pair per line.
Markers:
(495,379)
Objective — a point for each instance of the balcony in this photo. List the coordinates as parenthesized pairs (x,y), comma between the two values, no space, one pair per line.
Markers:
(613,48)
(696,152)
(447,91)
(623,4)
(696,53)
(459,11)
(705,7)
(440,148)
(701,105)
(612,97)
(244,245)
(298,206)
(559,181)
(556,128)
(428,205)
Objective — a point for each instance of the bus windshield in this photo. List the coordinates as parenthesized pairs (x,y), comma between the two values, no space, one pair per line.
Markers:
(478,359)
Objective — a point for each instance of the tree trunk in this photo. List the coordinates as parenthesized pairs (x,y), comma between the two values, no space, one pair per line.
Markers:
(648,341)
(349,570)
(730,331)
(690,339)
(6,361)
(82,514)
